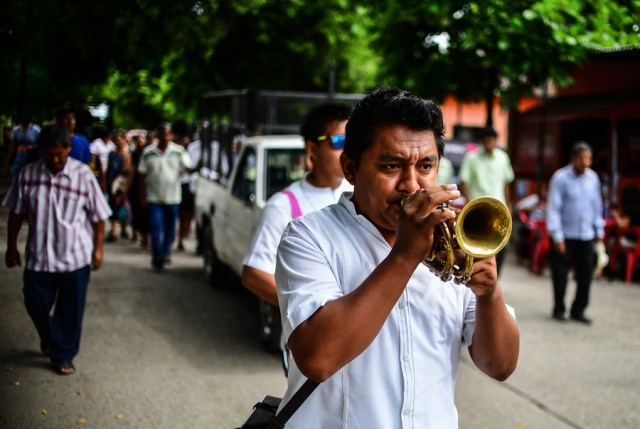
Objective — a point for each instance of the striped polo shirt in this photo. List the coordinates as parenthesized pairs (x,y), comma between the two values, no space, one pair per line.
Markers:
(162,172)
(61,209)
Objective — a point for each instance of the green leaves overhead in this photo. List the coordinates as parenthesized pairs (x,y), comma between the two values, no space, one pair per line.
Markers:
(154,59)
(479,49)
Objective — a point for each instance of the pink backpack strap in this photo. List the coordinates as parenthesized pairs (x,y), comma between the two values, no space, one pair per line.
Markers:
(295,207)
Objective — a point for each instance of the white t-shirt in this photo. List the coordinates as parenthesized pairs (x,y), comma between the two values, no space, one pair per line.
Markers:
(162,172)
(102,149)
(406,377)
(277,214)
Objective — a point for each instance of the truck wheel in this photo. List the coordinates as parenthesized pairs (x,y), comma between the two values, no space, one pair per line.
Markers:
(271,326)
(212,267)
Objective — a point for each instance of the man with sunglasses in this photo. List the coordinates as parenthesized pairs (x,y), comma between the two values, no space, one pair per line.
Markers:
(323,133)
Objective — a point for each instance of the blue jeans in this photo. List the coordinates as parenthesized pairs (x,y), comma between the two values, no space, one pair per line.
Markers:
(61,331)
(162,225)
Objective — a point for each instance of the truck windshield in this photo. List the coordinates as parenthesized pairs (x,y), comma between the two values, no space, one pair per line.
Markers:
(284,166)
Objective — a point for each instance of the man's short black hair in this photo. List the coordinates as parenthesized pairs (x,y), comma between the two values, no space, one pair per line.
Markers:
(54,136)
(318,118)
(385,107)
(102,131)
(489,132)
(25,118)
(63,111)
(163,125)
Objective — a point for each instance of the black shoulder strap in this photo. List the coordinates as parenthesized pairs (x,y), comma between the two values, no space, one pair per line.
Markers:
(280,419)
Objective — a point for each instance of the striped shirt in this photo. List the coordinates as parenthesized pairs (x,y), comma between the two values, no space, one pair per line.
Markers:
(61,209)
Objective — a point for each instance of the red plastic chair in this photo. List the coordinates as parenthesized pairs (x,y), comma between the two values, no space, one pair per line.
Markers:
(540,245)
(524,247)
(630,253)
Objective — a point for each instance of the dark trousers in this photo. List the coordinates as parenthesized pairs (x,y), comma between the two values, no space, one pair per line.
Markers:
(579,254)
(500,256)
(60,331)
(163,228)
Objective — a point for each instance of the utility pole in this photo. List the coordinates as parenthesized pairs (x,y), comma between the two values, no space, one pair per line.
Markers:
(541,139)
(331,89)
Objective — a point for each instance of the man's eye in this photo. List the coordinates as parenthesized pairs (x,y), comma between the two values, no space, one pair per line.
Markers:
(425,167)
(389,166)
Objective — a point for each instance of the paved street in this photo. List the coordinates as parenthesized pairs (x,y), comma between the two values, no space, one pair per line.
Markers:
(167,351)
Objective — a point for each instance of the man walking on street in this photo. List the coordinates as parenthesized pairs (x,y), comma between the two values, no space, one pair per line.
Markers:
(323,133)
(160,169)
(65,210)
(574,222)
(487,172)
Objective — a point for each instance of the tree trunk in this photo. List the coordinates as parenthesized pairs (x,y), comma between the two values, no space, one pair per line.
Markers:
(489,100)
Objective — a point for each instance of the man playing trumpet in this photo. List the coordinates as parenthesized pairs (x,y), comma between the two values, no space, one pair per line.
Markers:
(361,314)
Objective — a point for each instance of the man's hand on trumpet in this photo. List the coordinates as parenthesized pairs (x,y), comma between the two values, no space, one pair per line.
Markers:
(420,214)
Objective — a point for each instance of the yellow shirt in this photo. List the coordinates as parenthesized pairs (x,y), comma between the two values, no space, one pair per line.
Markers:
(486,174)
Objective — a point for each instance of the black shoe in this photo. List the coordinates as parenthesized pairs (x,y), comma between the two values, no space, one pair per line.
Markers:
(559,316)
(111,238)
(180,247)
(157,264)
(581,319)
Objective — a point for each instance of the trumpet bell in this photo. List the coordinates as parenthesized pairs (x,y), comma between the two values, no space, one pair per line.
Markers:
(483,227)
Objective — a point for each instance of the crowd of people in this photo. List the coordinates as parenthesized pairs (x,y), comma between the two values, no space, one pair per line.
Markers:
(68,190)
(339,251)
(115,158)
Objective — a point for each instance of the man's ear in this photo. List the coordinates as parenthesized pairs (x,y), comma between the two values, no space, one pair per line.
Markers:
(348,168)
(310,147)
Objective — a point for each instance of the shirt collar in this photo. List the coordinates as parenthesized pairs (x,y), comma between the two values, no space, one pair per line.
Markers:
(345,201)
(66,170)
(484,152)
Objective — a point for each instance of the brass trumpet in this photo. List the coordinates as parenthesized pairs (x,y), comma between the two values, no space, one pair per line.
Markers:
(481,229)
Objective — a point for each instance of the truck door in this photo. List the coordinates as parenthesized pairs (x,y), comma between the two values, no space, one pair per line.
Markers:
(239,211)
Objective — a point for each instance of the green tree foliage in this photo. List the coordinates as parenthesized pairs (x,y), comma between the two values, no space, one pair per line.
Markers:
(154,59)
(54,52)
(477,50)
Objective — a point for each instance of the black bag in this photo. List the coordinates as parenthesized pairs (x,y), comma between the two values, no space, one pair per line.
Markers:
(264,414)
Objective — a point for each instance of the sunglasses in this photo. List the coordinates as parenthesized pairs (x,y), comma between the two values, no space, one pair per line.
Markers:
(337,140)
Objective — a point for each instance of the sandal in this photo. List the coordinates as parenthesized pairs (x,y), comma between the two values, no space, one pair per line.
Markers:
(65,368)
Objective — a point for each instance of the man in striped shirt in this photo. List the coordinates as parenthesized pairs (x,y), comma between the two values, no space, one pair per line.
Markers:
(65,211)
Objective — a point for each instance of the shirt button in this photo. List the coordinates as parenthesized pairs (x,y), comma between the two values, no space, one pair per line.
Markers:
(406,412)
(402,305)
(405,357)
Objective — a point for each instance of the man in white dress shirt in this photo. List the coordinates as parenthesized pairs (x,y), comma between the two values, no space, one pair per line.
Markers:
(323,133)
(361,314)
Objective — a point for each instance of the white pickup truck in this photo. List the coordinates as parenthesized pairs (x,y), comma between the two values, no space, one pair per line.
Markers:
(227,215)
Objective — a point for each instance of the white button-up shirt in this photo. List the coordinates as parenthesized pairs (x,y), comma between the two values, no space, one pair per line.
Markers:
(574,208)
(406,377)
(276,215)
(162,172)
